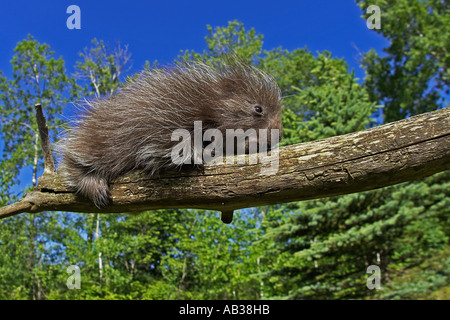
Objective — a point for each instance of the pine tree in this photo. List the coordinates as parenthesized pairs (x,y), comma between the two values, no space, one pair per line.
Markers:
(325,246)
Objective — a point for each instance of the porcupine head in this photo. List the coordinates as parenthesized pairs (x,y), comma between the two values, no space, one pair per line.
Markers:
(133,128)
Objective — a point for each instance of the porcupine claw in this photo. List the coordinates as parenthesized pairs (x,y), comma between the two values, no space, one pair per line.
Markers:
(227,216)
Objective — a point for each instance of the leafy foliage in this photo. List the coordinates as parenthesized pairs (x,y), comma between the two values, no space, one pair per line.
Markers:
(326,245)
(37,78)
(413,75)
(220,40)
(322,98)
(101,67)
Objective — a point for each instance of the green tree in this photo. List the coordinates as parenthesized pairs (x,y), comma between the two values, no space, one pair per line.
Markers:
(412,76)
(37,78)
(328,244)
(26,240)
(323,100)
(325,246)
(233,38)
(102,67)
(218,261)
(321,97)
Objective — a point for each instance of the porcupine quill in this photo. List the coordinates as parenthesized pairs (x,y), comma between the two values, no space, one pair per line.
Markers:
(132,128)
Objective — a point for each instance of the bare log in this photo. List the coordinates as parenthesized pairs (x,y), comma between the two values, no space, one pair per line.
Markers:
(401,151)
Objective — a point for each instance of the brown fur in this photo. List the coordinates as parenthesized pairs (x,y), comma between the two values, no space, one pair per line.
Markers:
(132,129)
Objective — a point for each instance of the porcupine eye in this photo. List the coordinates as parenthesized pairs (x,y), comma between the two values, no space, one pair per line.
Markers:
(258,110)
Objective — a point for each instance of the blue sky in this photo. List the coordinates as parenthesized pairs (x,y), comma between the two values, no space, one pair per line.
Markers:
(159,30)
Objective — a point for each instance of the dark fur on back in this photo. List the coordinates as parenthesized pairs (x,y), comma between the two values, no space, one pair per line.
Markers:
(132,129)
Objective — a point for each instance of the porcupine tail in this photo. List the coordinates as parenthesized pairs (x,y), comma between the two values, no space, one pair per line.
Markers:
(85,182)
(95,188)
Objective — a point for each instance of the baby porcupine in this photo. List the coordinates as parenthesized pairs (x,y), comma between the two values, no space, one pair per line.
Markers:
(132,129)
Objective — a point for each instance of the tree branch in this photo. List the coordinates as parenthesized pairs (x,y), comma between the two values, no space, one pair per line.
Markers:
(49,165)
(397,152)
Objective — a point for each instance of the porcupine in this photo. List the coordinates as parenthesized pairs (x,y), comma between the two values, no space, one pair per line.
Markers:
(132,128)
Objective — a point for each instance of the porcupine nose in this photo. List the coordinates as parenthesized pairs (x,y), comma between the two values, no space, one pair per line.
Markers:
(275,124)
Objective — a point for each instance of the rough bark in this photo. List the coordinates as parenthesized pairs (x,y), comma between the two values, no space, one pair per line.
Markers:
(397,152)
